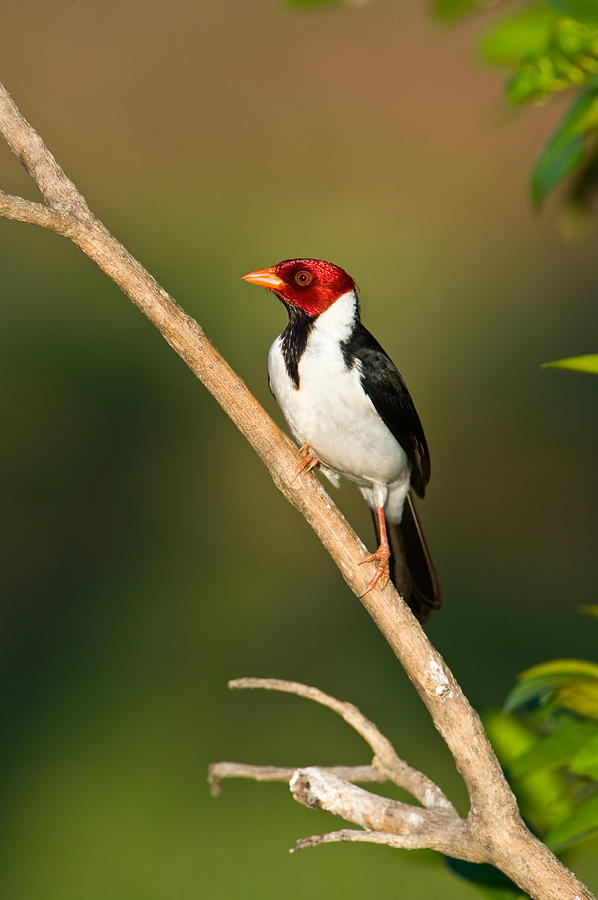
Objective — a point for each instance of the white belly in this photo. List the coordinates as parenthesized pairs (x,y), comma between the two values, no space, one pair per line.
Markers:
(331,412)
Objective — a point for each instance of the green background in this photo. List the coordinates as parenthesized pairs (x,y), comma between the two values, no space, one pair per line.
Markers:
(147,557)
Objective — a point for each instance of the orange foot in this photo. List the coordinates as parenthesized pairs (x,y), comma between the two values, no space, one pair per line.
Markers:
(308,461)
(381,556)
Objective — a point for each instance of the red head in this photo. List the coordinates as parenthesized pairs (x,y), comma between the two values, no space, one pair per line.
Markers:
(310,284)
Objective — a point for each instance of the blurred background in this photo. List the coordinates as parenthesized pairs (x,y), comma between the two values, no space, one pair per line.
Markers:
(213,138)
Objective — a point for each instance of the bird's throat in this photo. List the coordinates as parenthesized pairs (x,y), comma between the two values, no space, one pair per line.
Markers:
(293,340)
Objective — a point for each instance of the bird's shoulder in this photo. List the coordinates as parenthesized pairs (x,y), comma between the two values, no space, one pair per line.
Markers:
(387,390)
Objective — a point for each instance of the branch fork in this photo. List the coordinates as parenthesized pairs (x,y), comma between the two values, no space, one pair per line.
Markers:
(493,830)
(434,825)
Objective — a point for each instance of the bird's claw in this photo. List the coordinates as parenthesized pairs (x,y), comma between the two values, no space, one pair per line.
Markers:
(382,573)
(308,461)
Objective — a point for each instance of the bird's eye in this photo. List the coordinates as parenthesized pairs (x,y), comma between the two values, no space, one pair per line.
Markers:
(303,278)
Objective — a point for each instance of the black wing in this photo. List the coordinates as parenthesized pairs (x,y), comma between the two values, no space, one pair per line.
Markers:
(385,387)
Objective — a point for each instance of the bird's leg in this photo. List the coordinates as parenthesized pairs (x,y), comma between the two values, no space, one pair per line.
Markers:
(381,556)
(308,461)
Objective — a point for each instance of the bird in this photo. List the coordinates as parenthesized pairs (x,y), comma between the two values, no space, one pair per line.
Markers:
(350,410)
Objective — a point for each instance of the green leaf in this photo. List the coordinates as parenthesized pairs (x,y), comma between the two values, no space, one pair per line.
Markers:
(543,796)
(585,761)
(539,690)
(557,668)
(554,163)
(588,363)
(555,749)
(509,736)
(580,696)
(582,823)
(556,160)
(569,58)
(585,10)
(566,146)
(511,41)
(540,682)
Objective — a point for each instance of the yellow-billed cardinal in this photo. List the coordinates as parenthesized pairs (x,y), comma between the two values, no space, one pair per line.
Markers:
(348,406)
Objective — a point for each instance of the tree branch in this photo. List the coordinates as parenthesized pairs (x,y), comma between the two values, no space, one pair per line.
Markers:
(385,761)
(434,829)
(494,822)
(349,835)
(220,770)
(58,191)
(32,213)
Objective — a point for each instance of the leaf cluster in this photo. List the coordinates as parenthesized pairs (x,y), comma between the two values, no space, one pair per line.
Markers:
(561,700)
(546,739)
(551,46)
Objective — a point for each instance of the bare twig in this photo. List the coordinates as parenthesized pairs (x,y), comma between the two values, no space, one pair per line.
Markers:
(434,829)
(220,770)
(36,214)
(495,828)
(385,761)
(350,835)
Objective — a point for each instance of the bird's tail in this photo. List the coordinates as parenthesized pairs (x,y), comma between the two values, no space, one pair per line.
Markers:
(412,569)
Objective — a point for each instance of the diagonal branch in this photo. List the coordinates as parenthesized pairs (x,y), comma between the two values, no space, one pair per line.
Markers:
(494,818)
(385,761)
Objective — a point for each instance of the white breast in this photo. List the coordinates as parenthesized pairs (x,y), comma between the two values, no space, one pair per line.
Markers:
(332,413)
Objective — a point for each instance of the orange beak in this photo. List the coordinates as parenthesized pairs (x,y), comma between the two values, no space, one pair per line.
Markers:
(265,278)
